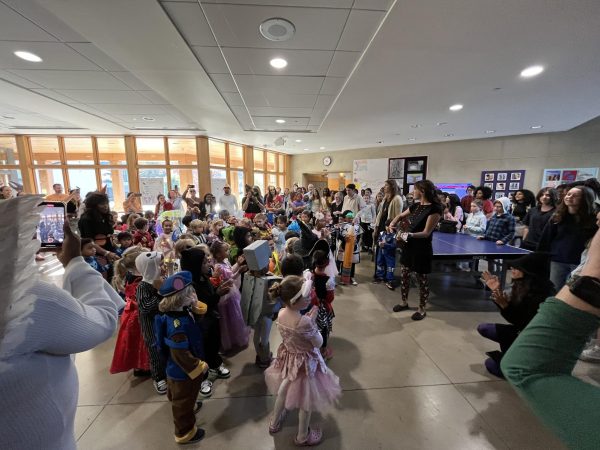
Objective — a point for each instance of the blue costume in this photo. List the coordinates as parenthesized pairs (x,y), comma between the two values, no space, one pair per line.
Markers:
(386,256)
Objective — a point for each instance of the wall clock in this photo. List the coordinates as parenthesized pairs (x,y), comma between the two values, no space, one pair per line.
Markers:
(327,160)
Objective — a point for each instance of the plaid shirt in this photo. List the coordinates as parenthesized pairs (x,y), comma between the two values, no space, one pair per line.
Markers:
(500,228)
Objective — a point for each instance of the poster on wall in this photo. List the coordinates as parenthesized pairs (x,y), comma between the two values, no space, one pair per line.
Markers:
(503,183)
(150,188)
(415,169)
(396,168)
(554,177)
(370,173)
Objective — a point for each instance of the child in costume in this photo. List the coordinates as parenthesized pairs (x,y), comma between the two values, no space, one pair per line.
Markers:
(130,350)
(234,332)
(322,297)
(88,251)
(164,243)
(142,235)
(262,230)
(299,376)
(346,227)
(278,233)
(386,257)
(148,265)
(179,338)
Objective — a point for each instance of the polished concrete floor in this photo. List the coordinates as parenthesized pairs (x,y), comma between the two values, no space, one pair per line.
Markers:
(406,385)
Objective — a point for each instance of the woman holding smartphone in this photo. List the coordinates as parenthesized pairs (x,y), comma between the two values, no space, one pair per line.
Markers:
(417,254)
(252,202)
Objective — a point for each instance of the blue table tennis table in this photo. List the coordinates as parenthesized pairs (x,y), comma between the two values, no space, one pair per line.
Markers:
(457,247)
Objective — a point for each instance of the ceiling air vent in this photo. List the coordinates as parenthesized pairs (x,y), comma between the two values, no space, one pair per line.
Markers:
(277,29)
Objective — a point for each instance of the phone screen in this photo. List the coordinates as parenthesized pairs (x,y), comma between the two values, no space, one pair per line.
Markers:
(50,228)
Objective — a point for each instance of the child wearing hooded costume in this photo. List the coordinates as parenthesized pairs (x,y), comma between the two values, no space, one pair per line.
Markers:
(518,305)
(342,236)
(148,264)
(180,341)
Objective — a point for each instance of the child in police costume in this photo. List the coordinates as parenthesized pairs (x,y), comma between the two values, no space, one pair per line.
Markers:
(179,336)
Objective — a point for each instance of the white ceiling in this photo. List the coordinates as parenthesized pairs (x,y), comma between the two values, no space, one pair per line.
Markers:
(109,64)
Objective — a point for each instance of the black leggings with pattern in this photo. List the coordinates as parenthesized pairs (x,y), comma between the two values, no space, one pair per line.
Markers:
(423,286)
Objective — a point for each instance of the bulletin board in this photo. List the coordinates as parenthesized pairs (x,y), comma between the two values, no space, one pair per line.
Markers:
(503,183)
(554,177)
(150,188)
(415,169)
(369,173)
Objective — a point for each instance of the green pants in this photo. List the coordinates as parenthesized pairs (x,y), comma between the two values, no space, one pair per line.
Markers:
(539,365)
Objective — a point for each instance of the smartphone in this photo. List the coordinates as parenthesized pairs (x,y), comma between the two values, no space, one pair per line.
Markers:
(50,228)
(191,186)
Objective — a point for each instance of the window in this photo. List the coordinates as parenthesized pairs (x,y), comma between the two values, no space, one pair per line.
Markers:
(111,151)
(271,162)
(236,181)
(259,180)
(218,179)
(236,156)
(8,151)
(45,150)
(79,150)
(272,179)
(181,178)
(182,151)
(45,178)
(84,179)
(10,177)
(280,167)
(281,183)
(259,160)
(117,186)
(150,151)
(216,152)
(152,183)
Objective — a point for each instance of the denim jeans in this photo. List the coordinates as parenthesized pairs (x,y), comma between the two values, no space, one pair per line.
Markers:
(559,273)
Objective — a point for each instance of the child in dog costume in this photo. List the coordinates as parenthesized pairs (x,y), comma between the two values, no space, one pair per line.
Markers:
(179,336)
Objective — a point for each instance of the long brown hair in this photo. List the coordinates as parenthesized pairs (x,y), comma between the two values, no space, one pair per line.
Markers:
(393,188)
(428,189)
(585,215)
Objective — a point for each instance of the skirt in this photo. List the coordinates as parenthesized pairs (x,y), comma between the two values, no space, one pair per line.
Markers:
(130,349)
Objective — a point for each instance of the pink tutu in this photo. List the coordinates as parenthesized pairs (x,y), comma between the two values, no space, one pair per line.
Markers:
(313,386)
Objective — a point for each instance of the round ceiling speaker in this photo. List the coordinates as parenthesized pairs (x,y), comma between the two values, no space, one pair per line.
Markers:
(277,29)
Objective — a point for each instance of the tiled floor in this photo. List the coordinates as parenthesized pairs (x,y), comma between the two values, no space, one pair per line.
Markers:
(407,385)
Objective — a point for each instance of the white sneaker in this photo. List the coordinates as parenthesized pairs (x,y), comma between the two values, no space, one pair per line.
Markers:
(591,354)
(220,372)
(161,387)
(206,388)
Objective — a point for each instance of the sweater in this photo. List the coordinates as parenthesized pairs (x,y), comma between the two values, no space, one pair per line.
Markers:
(476,223)
(565,240)
(39,380)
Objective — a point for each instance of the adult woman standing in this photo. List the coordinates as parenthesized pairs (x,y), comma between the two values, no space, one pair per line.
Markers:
(417,254)
(208,205)
(524,199)
(484,193)
(273,201)
(316,202)
(176,200)
(162,205)
(96,223)
(390,207)
(252,202)
(568,231)
(336,207)
(327,197)
(133,203)
(538,216)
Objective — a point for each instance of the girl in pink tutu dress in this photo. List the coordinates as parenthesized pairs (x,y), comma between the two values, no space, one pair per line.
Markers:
(234,331)
(299,376)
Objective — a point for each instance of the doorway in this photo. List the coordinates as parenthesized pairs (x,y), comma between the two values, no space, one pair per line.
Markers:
(334,181)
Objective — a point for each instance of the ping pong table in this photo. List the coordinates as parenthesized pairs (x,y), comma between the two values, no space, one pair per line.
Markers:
(456,247)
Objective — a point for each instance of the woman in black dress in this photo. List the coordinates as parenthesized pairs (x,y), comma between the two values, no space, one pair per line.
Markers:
(417,254)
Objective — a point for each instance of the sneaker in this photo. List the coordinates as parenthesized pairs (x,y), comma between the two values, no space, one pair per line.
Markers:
(206,388)
(263,364)
(390,286)
(219,372)
(161,387)
(353,282)
(591,354)
(196,438)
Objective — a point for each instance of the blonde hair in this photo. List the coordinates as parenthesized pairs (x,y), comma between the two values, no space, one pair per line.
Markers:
(215,224)
(261,216)
(289,245)
(124,265)
(287,289)
(132,218)
(181,245)
(176,301)
(197,223)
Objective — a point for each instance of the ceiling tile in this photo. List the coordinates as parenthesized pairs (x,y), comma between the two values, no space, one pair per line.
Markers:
(49,22)
(153,97)
(233,98)
(342,63)
(191,23)
(55,55)
(290,85)
(118,109)
(255,99)
(269,122)
(138,120)
(15,27)
(55,95)
(131,81)
(281,112)
(257,61)
(381,5)
(93,53)
(78,79)
(106,96)
(296,3)
(324,101)
(242,117)
(211,59)
(283,99)
(170,109)
(237,26)
(359,29)
(332,85)
(223,82)
(12,78)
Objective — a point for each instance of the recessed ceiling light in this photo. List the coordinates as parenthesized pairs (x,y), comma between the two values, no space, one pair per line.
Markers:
(449,135)
(27,56)
(305,149)
(298,140)
(321,148)
(280,121)
(456,107)
(536,127)
(490,131)
(277,29)
(532,71)
(439,124)
(411,139)
(278,63)
(149,119)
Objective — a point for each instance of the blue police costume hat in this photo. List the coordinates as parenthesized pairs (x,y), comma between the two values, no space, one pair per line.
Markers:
(175,283)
